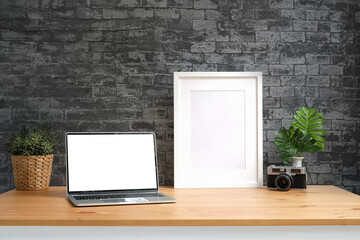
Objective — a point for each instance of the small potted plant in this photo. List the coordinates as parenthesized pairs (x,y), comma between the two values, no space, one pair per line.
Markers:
(304,135)
(32,157)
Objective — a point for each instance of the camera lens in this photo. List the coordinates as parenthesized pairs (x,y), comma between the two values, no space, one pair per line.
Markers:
(283,182)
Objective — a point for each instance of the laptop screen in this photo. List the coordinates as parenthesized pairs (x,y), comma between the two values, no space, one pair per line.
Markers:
(111,161)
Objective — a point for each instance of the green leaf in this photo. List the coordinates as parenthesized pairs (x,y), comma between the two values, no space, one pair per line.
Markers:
(310,123)
(294,141)
(37,141)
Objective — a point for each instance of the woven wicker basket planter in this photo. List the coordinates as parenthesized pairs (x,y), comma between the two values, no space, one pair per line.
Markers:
(32,173)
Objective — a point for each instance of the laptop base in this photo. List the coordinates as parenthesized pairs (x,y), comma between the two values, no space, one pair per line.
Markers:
(121,201)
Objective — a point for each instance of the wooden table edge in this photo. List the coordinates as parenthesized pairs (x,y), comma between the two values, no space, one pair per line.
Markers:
(185,222)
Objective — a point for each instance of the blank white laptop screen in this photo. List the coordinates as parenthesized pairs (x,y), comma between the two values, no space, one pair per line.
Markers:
(99,162)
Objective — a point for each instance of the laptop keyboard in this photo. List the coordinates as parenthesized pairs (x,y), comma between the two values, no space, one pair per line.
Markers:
(122,195)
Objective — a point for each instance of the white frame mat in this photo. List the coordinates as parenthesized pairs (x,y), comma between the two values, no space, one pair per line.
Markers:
(218,130)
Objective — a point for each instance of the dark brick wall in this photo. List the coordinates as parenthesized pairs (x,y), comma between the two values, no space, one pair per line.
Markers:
(107,66)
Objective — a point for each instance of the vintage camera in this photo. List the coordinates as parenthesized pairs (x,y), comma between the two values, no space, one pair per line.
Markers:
(285,177)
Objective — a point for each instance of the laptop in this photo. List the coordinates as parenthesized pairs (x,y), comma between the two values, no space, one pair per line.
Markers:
(112,169)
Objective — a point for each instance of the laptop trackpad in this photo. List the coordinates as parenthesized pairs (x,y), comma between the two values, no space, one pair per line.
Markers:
(113,200)
(139,199)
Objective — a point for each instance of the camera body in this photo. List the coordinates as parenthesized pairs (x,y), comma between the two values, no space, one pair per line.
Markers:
(285,177)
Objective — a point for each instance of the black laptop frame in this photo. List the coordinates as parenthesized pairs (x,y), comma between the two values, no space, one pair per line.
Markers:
(110,191)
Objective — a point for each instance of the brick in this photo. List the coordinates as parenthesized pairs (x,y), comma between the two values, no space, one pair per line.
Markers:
(76,47)
(283,4)
(115,13)
(282,91)
(263,68)
(180,24)
(117,25)
(201,25)
(318,168)
(228,47)
(268,58)
(313,69)
(237,36)
(273,124)
(300,70)
(337,26)
(211,14)
(237,14)
(357,16)
(51,114)
(242,58)
(268,14)
(99,114)
(316,15)
(255,4)
(331,93)
(155,3)
(344,37)
(206,4)
(292,80)
(229,67)
(324,27)
(267,36)
(292,102)
(129,3)
(24,47)
(331,70)
(343,125)
(167,13)
(254,47)
(351,180)
(144,125)
(318,37)
(291,14)
(64,14)
(281,69)
(204,67)
(321,81)
(216,36)
(306,26)
(317,59)
(329,179)
(344,147)
(271,102)
(292,36)
(115,125)
(89,13)
(181,3)
(216,58)
(280,114)
(5,180)
(25,114)
(101,47)
(192,14)
(343,169)
(203,47)
(292,59)
(280,25)
(141,13)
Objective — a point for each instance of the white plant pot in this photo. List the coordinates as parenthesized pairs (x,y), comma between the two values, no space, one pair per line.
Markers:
(297,161)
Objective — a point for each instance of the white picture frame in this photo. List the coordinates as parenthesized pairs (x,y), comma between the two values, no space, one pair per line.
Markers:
(218,135)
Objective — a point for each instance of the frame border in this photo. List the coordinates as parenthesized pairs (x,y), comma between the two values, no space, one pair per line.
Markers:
(258,75)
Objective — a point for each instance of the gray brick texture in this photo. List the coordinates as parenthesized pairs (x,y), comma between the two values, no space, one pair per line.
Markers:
(108,66)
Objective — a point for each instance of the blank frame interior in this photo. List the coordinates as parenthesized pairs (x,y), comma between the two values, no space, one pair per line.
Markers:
(218,130)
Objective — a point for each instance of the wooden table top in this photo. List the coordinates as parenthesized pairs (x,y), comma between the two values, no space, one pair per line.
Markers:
(318,205)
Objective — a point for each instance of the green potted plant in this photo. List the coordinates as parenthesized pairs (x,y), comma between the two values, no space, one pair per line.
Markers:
(304,135)
(32,156)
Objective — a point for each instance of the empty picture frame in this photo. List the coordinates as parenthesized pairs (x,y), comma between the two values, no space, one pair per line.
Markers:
(218,129)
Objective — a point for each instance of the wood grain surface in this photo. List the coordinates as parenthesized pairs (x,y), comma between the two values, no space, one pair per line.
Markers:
(318,205)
